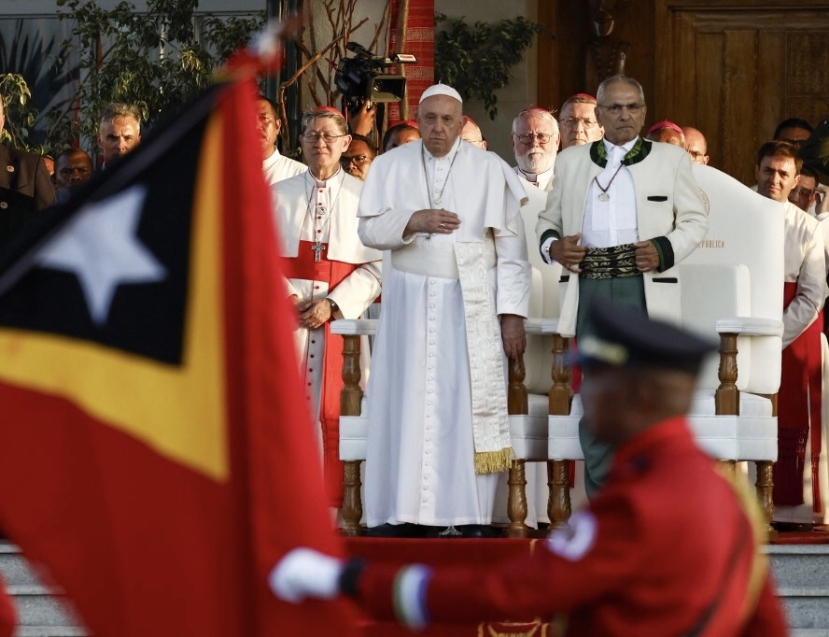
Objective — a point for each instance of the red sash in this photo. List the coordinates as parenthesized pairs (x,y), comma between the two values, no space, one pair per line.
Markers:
(800,396)
(303,266)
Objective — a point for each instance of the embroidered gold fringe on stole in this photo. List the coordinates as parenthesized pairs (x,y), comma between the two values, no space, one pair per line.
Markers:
(493,461)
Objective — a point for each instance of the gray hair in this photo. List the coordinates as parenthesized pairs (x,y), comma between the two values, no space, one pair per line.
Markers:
(624,79)
(323,113)
(534,110)
(114,110)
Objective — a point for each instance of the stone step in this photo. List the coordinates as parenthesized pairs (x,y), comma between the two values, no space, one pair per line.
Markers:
(14,568)
(40,607)
(801,573)
(50,631)
(800,565)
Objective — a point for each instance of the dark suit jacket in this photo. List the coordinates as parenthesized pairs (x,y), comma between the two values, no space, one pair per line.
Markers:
(25,187)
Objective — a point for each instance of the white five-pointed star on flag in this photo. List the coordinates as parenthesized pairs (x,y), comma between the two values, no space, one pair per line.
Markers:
(101,247)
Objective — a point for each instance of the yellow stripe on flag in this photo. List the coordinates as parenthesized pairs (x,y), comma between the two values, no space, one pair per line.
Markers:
(178,411)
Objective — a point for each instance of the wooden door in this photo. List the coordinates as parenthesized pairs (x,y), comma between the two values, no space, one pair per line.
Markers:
(735,70)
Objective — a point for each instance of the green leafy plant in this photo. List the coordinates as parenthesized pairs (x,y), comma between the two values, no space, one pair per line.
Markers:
(157,58)
(20,115)
(35,86)
(476,60)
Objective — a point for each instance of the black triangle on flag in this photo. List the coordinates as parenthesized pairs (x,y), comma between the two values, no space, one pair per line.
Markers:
(111,264)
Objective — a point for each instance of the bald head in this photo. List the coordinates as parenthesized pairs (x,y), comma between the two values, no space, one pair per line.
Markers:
(696,145)
(471,133)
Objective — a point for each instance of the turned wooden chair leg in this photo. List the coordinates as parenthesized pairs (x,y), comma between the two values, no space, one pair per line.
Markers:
(558,479)
(352,502)
(764,484)
(558,471)
(517,404)
(517,507)
(350,404)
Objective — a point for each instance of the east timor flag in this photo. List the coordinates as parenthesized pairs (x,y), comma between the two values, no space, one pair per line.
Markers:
(155,451)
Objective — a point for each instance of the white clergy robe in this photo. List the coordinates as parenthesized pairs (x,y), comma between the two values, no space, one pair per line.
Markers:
(421,458)
(542,181)
(278,167)
(296,206)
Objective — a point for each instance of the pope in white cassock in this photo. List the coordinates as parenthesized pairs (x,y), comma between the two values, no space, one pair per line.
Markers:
(330,273)
(454,299)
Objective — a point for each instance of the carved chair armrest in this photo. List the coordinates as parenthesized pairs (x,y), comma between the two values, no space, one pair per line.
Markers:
(540,326)
(727,397)
(750,326)
(354,327)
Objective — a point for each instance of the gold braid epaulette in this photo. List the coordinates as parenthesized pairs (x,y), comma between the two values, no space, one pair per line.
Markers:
(759,529)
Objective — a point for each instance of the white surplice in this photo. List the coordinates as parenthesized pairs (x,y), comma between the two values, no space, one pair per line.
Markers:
(420,465)
(295,199)
(278,167)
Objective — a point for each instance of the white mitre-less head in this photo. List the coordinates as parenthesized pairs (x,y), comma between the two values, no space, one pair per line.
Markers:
(440,89)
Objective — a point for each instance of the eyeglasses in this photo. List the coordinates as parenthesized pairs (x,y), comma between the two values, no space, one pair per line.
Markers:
(527,138)
(696,154)
(358,160)
(795,142)
(328,138)
(616,109)
(575,121)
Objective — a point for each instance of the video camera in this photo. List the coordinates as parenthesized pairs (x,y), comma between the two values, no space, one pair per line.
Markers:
(361,77)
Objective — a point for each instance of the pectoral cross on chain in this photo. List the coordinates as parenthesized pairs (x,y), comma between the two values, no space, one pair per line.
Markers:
(317,248)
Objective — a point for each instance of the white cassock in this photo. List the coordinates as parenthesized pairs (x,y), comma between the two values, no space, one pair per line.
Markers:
(278,167)
(805,268)
(310,210)
(438,357)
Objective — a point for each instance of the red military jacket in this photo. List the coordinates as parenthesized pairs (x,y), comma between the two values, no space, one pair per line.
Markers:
(666,549)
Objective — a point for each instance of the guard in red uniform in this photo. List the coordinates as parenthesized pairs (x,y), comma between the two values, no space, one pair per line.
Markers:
(669,547)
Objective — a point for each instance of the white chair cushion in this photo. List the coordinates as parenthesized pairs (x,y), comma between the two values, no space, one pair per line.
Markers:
(736,438)
(751,406)
(529,432)
(354,435)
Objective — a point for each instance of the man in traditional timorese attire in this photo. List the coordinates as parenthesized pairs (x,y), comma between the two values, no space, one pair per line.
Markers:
(330,273)
(454,303)
(799,399)
(622,213)
(671,546)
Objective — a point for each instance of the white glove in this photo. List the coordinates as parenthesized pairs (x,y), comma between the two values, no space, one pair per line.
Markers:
(305,573)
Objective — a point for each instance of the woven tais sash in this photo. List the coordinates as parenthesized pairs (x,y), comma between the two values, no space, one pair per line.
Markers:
(609,263)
